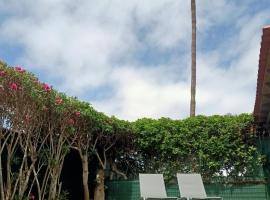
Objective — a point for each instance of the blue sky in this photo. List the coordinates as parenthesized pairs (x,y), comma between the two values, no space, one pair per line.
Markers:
(132,58)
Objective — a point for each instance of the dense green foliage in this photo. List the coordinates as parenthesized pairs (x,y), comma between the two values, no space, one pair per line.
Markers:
(213,146)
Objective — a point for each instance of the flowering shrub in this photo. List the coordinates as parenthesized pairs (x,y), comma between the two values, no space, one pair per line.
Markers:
(2,73)
(77,113)
(13,86)
(41,125)
(46,87)
(20,69)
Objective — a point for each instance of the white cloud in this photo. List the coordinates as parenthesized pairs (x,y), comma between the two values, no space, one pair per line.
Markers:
(88,44)
(141,92)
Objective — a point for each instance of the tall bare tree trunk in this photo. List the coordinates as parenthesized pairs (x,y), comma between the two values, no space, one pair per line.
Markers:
(193,60)
(53,185)
(84,159)
(8,166)
(1,179)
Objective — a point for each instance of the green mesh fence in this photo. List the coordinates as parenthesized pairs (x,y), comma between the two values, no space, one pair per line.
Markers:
(263,144)
(129,190)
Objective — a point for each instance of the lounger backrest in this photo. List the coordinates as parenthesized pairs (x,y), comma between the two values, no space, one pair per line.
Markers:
(152,185)
(191,185)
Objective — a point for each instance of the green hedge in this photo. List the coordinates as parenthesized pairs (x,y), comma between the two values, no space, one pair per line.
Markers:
(209,145)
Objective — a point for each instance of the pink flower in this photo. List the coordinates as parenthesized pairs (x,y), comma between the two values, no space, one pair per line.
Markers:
(46,87)
(2,73)
(19,69)
(77,113)
(58,101)
(13,86)
(71,121)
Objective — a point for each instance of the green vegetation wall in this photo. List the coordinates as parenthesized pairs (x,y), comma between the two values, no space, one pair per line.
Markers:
(213,146)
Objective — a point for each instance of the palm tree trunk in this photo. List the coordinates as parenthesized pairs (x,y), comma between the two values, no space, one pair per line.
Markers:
(193,59)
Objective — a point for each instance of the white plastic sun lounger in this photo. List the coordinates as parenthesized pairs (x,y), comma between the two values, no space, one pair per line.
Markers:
(191,187)
(152,187)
